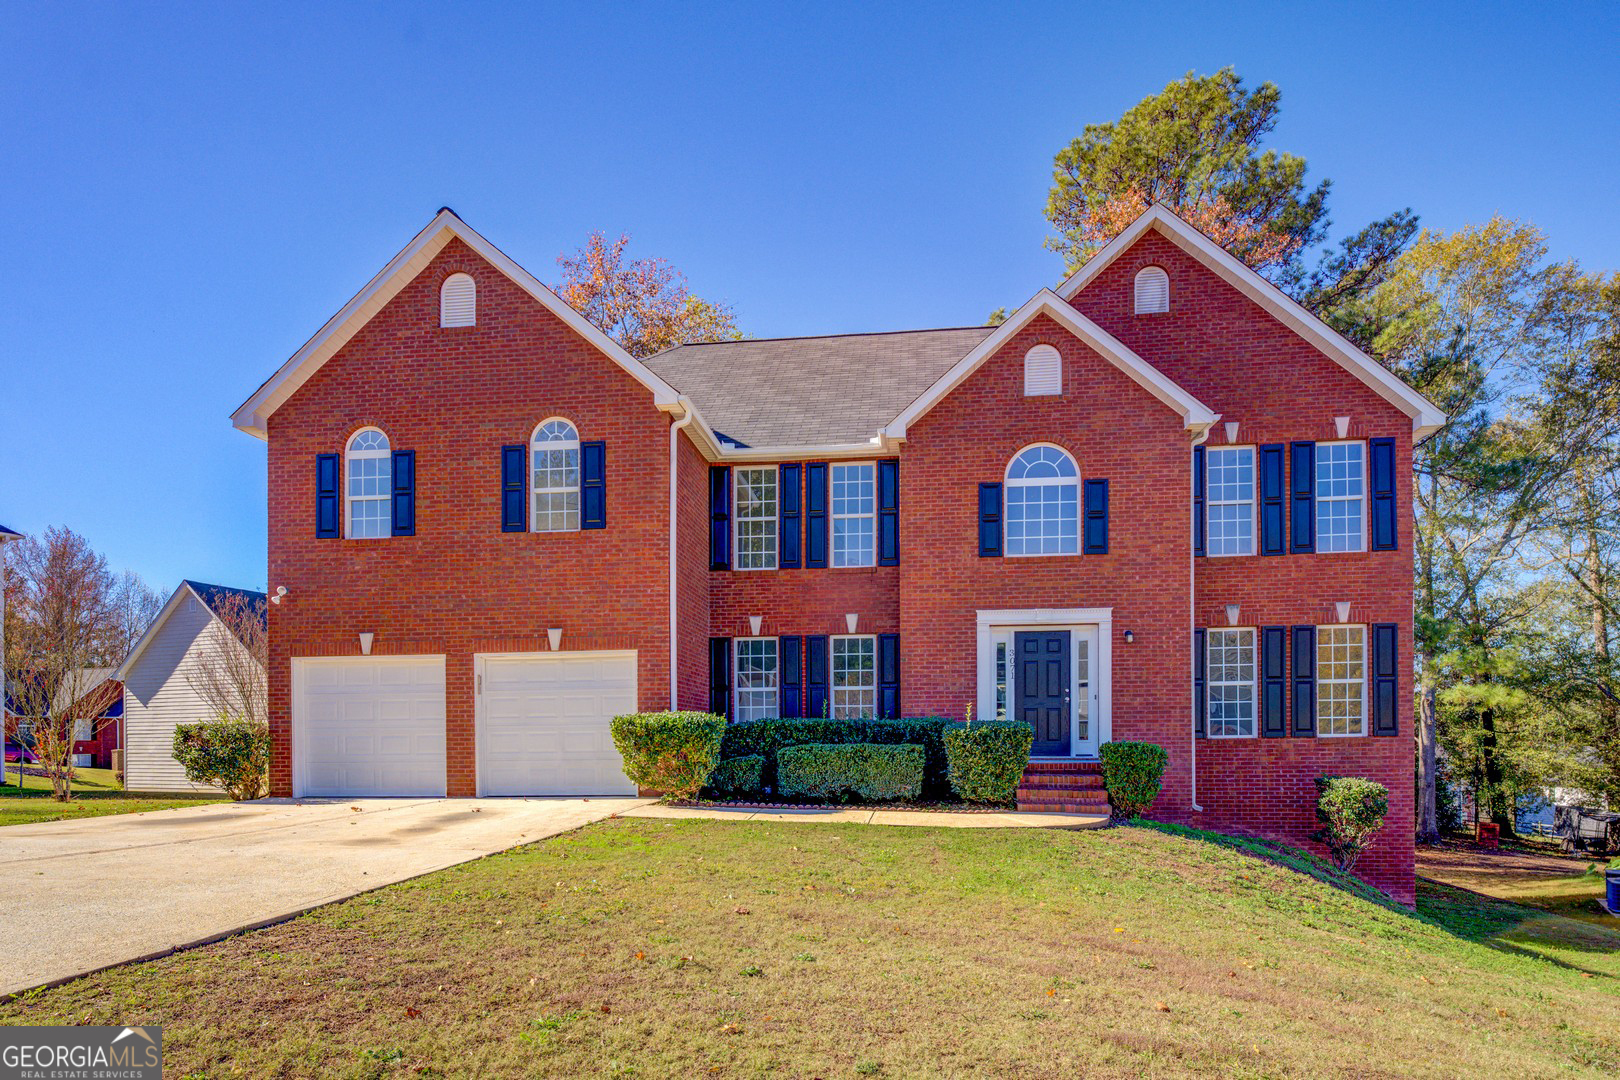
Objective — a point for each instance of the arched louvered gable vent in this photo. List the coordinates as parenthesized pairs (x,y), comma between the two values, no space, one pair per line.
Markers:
(1152,290)
(1043,371)
(458,301)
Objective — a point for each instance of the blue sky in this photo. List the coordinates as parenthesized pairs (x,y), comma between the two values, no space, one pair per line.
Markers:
(190,193)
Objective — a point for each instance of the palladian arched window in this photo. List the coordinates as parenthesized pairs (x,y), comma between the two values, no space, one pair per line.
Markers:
(1043,503)
(554,458)
(369,485)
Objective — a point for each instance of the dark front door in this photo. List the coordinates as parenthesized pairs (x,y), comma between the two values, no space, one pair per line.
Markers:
(1043,688)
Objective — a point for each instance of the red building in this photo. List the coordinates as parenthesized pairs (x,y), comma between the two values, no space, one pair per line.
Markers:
(1162,502)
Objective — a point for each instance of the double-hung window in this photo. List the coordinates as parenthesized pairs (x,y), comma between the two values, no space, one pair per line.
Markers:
(756,679)
(1340,496)
(1230,683)
(756,518)
(854,677)
(1230,471)
(854,514)
(370,478)
(555,465)
(1341,680)
(1043,503)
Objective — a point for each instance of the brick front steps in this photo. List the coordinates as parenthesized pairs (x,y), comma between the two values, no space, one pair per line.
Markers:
(1063,787)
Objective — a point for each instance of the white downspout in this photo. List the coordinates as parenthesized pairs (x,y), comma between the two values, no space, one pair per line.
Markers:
(674,547)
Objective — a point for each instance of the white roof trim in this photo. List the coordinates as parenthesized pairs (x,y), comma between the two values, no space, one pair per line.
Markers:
(253,414)
(1426,417)
(157,624)
(1196,416)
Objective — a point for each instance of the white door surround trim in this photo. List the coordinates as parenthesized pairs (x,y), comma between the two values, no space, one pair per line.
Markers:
(1049,618)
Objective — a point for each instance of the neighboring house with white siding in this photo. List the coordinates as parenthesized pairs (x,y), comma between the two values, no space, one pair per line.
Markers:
(158,690)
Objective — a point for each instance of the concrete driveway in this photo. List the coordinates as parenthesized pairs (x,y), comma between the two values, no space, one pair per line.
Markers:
(84,895)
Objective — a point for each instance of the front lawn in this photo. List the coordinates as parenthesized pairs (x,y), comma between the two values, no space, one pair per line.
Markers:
(643,947)
(1534,875)
(95,794)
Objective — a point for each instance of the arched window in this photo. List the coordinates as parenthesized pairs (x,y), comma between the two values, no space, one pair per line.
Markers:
(1043,371)
(1043,503)
(554,458)
(458,301)
(369,487)
(1152,290)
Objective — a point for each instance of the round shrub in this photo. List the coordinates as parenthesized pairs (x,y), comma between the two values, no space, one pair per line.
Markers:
(1351,809)
(987,759)
(225,753)
(869,771)
(1131,773)
(738,776)
(672,752)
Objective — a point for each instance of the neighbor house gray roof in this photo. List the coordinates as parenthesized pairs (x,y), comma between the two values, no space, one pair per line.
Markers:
(810,391)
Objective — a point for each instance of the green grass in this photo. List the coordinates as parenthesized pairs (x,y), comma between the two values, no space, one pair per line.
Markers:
(95,794)
(640,947)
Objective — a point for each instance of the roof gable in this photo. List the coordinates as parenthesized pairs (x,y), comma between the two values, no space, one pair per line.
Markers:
(1426,417)
(1195,415)
(254,413)
(211,597)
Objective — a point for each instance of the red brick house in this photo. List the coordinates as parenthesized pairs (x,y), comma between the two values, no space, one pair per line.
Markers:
(1162,502)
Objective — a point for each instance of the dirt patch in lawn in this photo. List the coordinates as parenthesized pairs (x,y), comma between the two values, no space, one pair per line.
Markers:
(653,948)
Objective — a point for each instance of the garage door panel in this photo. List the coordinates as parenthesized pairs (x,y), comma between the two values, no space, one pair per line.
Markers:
(371,726)
(544,724)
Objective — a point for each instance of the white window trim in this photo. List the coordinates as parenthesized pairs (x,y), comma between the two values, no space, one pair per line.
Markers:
(1253,502)
(1317,672)
(736,520)
(349,499)
(1254,680)
(534,490)
(736,676)
(832,672)
(1000,624)
(1079,509)
(1319,499)
(833,517)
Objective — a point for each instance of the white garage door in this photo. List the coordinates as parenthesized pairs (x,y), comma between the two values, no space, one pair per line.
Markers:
(543,723)
(369,726)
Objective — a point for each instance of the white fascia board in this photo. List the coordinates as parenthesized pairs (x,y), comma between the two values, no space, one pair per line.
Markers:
(715,449)
(1196,416)
(157,624)
(255,412)
(1426,416)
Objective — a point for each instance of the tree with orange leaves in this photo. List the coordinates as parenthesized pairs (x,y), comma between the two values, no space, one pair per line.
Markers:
(643,304)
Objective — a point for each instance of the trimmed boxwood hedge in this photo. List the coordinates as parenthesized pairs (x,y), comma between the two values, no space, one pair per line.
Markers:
(836,771)
(987,759)
(1131,773)
(769,737)
(738,776)
(672,752)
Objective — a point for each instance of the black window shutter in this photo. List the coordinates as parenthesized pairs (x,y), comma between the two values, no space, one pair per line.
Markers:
(888,676)
(593,485)
(815,516)
(720,676)
(888,506)
(403,505)
(1200,545)
(1200,681)
(790,701)
(1382,486)
(1305,681)
(1096,518)
(1273,531)
(514,488)
(719,517)
(1386,697)
(1273,681)
(1302,512)
(788,525)
(989,519)
(815,676)
(326,496)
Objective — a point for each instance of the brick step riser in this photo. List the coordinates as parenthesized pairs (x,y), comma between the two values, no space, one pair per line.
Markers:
(1090,809)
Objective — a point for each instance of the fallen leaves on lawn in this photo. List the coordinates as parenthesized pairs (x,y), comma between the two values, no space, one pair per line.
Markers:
(413,1012)
(741,911)
(1161,1006)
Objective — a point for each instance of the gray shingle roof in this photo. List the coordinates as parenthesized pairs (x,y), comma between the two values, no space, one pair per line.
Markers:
(811,390)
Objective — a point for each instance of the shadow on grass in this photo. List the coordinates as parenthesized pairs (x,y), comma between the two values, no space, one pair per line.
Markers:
(1463,913)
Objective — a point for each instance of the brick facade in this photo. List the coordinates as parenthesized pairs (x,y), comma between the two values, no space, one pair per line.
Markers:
(461,586)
